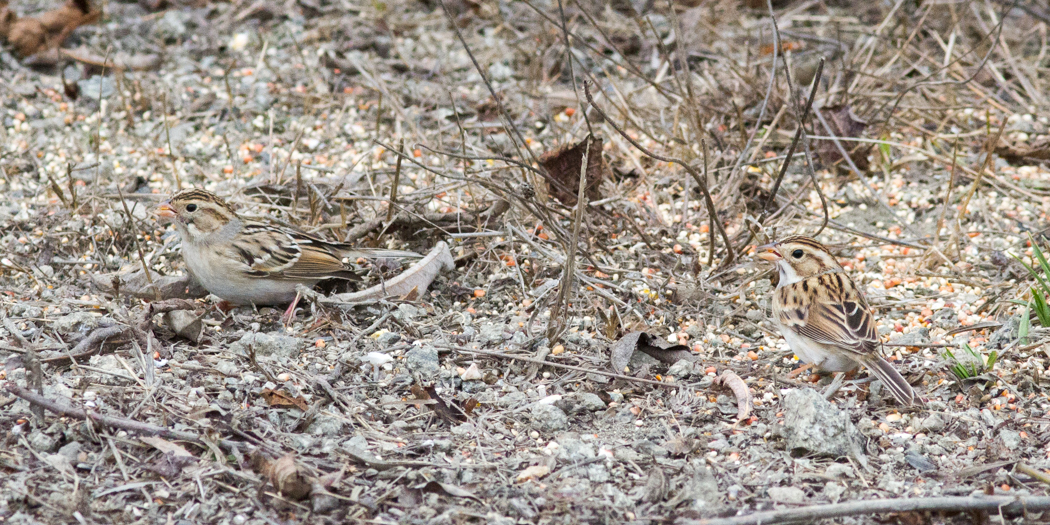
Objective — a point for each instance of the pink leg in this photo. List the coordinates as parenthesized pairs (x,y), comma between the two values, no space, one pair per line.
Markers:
(289,314)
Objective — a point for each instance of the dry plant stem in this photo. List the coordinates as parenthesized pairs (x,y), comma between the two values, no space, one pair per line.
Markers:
(947,194)
(1037,474)
(962,82)
(813,513)
(860,176)
(501,355)
(572,71)
(511,129)
(708,201)
(397,180)
(84,347)
(561,307)
(816,186)
(762,111)
(980,175)
(64,409)
(167,135)
(794,141)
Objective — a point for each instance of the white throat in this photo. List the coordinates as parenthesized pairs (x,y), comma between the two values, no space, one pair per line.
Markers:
(788,275)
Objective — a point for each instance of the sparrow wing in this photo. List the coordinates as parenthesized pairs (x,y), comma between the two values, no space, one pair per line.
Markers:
(264,251)
(831,311)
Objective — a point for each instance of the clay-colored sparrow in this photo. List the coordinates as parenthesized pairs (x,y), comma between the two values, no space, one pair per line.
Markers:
(246,262)
(823,315)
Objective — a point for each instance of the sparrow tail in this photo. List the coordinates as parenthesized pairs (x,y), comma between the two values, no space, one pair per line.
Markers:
(893,380)
(378,253)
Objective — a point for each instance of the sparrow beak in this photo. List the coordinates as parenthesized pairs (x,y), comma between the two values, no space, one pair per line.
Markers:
(768,252)
(165,211)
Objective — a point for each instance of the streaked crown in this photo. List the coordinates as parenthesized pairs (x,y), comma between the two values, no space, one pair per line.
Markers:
(798,258)
(196,213)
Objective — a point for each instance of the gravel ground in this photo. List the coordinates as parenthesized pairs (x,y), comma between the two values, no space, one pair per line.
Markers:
(382,412)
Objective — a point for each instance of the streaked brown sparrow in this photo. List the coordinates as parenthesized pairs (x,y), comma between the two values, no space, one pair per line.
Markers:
(824,316)
(247,262)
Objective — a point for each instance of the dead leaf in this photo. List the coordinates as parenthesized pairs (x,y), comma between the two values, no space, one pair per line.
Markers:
(170,465)
(447,488)
(166,446)
(469,405)
(844,123)
(1038,149)
(621,351)
(185,324)
(533,472)
(47,31)
(744,402)
(284,474)
(563,171)
(656,486)
(440,407)
(412,281)
(679,446)
(279,398)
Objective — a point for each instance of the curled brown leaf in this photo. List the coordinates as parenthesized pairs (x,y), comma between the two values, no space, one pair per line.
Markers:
(744,402)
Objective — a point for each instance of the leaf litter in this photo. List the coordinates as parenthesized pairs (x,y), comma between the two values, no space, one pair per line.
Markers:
(160,410)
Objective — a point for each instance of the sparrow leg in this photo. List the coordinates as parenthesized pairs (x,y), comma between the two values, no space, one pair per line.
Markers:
(290,312)
(798,371)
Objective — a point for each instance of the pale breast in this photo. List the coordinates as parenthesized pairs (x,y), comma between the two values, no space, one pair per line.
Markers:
(221,279)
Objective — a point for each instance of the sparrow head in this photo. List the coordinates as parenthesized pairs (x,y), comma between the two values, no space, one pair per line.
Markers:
(196,213)
(798,258)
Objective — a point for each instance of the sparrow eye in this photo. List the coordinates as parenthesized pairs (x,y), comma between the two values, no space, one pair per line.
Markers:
(797,254)
(193,207)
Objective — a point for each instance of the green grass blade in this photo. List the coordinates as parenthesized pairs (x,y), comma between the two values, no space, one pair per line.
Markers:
(1034,273)
(1039,255)
(1042,310)
(1025,325)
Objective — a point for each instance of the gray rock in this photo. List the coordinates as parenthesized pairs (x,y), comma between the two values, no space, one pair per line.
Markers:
(787,494)
(681,369)
(573,450)
(42,442)
(490,333)
(324,425)
(812,425)
(1010,438)
(834,491)
(423,360)
(513,399)
(76,322)
(71,450)
(388,339)
(931,424)
(946,318)
(97,88)
(356,444)
(919,462)
(1005,335)
(406,312)
(700,490)
(920,336)
(267,346)
(185,324)
(590,401)
(549,418)
(839,470)
(989,418)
